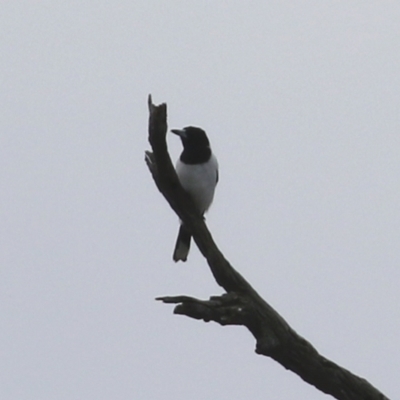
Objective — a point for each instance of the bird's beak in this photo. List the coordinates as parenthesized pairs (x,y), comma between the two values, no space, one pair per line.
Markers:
(179,132)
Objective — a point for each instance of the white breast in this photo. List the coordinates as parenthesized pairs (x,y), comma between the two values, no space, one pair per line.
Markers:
(199,180)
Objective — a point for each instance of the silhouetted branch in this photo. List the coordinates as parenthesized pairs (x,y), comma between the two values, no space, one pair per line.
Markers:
(242,305)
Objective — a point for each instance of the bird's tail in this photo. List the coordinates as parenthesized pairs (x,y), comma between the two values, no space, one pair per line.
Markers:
(182,245)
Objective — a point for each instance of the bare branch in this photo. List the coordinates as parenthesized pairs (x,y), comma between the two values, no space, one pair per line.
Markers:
(242,305)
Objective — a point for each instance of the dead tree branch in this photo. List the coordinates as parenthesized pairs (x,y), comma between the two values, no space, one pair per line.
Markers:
(242,305)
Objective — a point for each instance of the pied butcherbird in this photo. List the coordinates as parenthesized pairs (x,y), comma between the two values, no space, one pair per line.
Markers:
(197,170)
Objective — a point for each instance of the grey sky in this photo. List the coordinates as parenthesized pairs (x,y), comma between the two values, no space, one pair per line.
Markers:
(301,102)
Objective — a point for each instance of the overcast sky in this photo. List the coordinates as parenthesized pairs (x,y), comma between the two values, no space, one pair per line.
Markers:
(301,103)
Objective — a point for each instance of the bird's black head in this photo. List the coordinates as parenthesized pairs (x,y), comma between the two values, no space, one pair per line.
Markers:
(196,147)
(192,137)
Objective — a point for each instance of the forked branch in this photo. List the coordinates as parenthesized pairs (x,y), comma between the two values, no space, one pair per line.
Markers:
(242,305)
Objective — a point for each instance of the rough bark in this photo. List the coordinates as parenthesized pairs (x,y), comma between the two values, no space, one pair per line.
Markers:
(242,305)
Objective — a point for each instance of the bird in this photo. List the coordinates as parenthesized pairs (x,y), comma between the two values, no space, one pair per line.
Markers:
(197,170)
